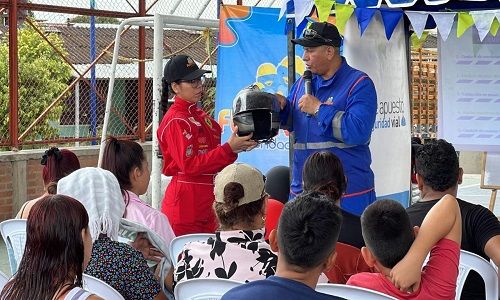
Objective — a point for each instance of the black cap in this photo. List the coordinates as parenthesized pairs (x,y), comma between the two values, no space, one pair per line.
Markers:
(182,67)
(319,34)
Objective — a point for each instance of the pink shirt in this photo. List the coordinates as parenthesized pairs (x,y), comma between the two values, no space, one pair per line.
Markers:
(439,276)
(140,212)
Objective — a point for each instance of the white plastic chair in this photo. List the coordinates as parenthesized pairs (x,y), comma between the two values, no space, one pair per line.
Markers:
(496,269)
(14,235)
(178,243)
(204,288)
(100,288)
(3,280)
(470,261)
(351,292)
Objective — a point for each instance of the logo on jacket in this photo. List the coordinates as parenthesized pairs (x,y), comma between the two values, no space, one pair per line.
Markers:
(187,135)
(189,151)
(202,139)
(208,122)
(329,101)
(194,121)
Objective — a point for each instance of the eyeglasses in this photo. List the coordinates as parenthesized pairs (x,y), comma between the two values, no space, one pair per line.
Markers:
(313,34)
(194,82)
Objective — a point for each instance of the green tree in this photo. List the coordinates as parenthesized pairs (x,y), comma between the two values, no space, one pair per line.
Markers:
(43,76)
(98,20)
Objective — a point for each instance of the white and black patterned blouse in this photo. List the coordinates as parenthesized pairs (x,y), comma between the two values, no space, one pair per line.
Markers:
(240,255)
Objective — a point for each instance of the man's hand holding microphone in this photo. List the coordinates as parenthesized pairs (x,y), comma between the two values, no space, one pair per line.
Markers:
(307,103)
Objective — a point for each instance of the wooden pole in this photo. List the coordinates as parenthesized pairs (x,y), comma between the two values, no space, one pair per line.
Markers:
(493,199)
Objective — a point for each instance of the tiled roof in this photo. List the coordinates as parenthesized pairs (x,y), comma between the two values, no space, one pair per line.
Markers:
(76,41)
(430,42)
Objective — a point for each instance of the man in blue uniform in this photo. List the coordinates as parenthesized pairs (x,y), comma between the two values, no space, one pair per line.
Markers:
(337,116)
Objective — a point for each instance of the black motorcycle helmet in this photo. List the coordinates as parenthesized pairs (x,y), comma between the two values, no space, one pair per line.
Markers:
(256,112)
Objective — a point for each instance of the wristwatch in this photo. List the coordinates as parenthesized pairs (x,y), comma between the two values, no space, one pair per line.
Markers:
(317,111)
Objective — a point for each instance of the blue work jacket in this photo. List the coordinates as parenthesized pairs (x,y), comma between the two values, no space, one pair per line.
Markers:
(343,125)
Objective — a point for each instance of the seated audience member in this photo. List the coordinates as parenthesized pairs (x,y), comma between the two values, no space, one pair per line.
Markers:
(238,251)
(305,240)
(438,174)
(126,160)
(118,264)
(56,164)
(58,247)
(277,186)
(394,251)
(323,172)
(277,183)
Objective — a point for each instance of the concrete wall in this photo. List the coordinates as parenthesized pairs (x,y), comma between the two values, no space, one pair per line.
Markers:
(21,175)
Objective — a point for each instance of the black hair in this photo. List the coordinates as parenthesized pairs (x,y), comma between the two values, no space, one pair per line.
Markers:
(308,230)
(166,92)
(277,183)
(437,163)
(387,231)
(323,172)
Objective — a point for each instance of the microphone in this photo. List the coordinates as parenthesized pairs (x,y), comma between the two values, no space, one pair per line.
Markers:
(307,84)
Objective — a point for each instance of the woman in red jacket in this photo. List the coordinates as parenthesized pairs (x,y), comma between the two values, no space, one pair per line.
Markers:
(192,153)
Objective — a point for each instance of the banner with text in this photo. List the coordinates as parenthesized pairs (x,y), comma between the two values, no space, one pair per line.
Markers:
(390,142)
(469,91)
(253,50)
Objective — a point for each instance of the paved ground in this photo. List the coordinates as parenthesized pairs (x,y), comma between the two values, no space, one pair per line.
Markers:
(469,190)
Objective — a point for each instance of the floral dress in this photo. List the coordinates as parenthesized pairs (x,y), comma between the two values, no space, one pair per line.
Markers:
(240,255)
(123,268)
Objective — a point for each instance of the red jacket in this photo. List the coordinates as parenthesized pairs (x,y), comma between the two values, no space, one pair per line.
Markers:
(190,143)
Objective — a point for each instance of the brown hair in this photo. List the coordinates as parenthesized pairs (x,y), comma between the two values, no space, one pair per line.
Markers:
(56,165)
(120,158)
(54,252)
(323,172)
(230,214)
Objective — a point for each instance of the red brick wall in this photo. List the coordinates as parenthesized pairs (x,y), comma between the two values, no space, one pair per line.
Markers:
(32,185)
(6,191)
(34,182)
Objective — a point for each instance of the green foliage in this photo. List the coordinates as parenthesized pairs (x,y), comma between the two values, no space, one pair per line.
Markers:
(43,76)
(208,102)
(98,20)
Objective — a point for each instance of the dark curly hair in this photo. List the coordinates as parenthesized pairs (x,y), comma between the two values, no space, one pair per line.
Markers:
(437,163)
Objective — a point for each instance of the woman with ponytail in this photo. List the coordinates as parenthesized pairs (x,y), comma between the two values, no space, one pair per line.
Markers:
(190,142)
(56,165)
(126,160)
(323,172)
(238,251)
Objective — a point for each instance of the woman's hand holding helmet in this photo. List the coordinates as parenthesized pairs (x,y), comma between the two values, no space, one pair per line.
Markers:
(241,143)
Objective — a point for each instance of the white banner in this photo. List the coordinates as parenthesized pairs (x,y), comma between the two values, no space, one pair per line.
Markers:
(469,91)
(386,64)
